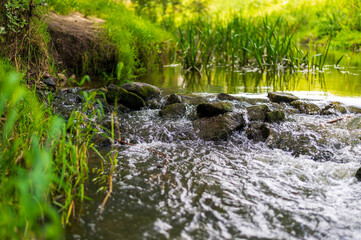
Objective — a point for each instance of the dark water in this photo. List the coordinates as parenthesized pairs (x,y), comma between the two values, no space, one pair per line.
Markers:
(239,188)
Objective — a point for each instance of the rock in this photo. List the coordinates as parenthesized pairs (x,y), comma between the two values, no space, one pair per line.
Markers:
(258,112)
(334,108)
(258,131)
(275,116)
(128,99)
(279,97)
(144,90)
(174,111)
(358,174)
(226,97)
(213,109)
(154,103)
(218,127)
(173,98)
(305,107)
(353,109)
(50,82)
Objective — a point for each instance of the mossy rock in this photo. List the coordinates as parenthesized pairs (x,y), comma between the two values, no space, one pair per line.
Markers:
(144,90)
(353,109)
(279,97)
(305,107)
(259,131)
(258,112)
(275,116)
(218,127)
(173,98)
(334,108)
(227,97)
(128,99)
(214,109)
(174,111)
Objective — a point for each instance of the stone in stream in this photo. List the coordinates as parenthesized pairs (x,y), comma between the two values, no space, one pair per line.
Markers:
(128,99)
(173,111)
(258,131)
(279,97)
(275,116)
(226,97)
(213,109)
(144,90)
(353,109)
(218,127)
(334,108)
(50,82)
(358,174)
(173,98)
(305,107)
(257,112)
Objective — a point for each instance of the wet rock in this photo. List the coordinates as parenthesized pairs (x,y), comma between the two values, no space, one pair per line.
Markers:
(144,90)
(193,100)
(226,97)
(218,127)
(258,131)
(154,103)
(279,97)
(174,111)
(358,174)
(213,109)
(306,107)
(173,98)
(275,116)
(128,99)
(50,82)
(334,108)
(353,109)
(258,112)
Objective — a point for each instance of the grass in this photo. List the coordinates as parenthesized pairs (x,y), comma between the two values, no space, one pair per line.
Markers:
(137,41)
(43,165)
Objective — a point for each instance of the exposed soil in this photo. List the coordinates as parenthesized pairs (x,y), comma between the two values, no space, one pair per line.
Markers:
(77,43)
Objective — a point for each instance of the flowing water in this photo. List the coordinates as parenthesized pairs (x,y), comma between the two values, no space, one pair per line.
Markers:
(238,188)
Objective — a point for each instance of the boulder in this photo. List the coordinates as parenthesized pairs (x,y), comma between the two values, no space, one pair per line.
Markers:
(173,98)
(334,108)
(279,97)
(213,109)
(258,112)
(306,107)
(128,99)
(358,174)
(173,111)
(218,127)
(144,90)
(275,116)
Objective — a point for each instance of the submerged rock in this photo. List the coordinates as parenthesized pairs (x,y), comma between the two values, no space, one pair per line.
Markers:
(258,112)
(176,110)
(144,90)
(218,127)
(275,116)
(334,108)
(213,109)
(358,174)
(128,99)
(305,107)
(279,97)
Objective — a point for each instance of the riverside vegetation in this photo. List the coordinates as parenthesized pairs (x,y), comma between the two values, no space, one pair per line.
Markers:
(43,157)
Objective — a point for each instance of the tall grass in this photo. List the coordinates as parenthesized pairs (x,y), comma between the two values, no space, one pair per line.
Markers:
(240,42)
(43,161)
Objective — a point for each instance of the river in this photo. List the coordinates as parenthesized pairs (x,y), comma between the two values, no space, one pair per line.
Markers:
(238,188)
